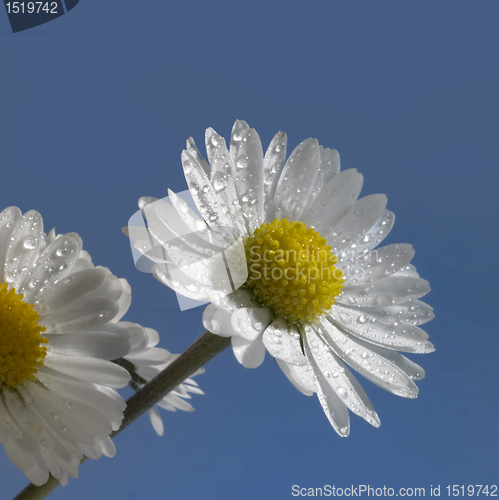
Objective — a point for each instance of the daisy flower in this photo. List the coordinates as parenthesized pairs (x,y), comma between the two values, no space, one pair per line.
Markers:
(145,361)
(58,333)
(318,296)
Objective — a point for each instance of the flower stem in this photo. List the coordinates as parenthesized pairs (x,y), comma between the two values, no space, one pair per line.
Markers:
(196,356)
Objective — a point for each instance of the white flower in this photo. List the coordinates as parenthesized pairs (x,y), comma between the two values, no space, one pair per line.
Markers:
(58,333)
(318,297)
(147,362)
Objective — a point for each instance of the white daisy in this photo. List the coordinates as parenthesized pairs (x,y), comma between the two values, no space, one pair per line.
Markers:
(58,333)
(145,361)
(318,297)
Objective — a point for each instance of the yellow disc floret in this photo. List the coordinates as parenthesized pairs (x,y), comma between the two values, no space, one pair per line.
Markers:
(291,270)
(22,348)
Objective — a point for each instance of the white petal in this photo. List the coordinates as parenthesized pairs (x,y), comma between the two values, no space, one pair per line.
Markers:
(369,240)
(249,169)
(218,321)
(21,452)
(91,420)
(414,312)
(156,420)
(250,322)
(239,129)
(111,406)
(297,179)
(223,178)
(389,332)
(249,353)
(283,342)
(38,474)
(152,337)
(381,263)
(103,345)
(176,401)
(55,412)
(329,168)
(124,301)
(273,164)
(24,246)
(389,291)
(330,164)
(135,334)
(83,262)
(204,195)
(194,151)
(334,408)
(334,199)
(103,446)
(202,238)
(71,288)
(8,219)
(302,377)
(183,284)
(53,264)
(369,363)
(107,446)
(359,218)
(339,377)
(411,369)
(239,298)
(90,369)
(150,356)
(9,425)
(408,270)
(112,288)
(85,314)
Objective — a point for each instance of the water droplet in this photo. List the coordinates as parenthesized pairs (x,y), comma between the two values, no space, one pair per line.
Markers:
(342,392)
(362,319)
(257,325)
(219,181)
(242,162)
(33,283)
(30,242)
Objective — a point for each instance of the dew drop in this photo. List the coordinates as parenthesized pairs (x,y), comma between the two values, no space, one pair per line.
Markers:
(219,181)
(30,242)
(342,392)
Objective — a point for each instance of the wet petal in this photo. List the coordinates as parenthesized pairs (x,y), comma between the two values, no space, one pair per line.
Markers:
(249,353)
(283,341)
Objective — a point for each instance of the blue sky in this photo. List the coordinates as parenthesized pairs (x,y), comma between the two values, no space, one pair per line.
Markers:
(95,108)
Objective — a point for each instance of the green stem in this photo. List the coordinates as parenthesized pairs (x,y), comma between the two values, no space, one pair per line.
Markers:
(196,356)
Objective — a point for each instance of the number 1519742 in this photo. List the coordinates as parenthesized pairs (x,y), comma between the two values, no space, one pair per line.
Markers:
(31,7)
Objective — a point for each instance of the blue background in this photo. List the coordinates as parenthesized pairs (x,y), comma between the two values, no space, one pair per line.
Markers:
(95,108)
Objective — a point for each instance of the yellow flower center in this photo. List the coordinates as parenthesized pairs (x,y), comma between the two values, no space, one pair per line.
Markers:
(21,344)
(291,270)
